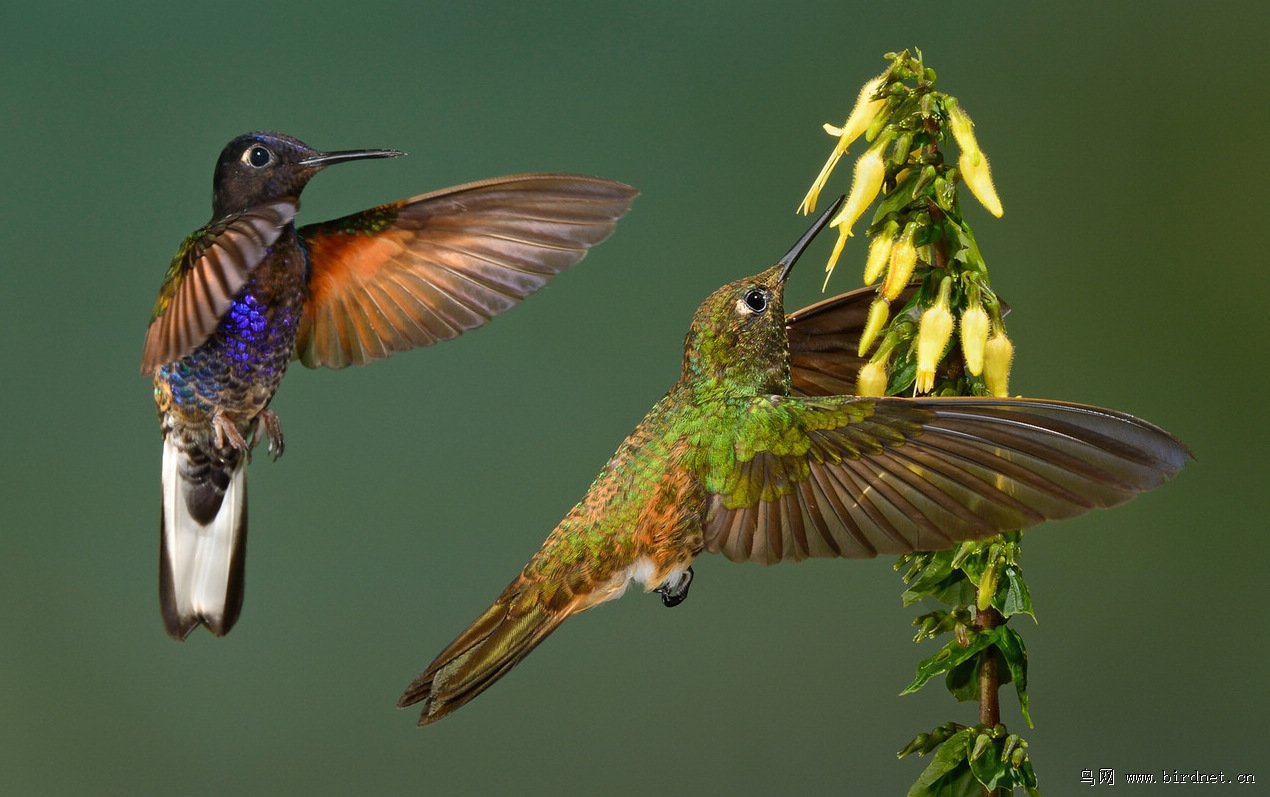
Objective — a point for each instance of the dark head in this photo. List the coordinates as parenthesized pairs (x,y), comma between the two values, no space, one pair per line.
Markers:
(259,167)
(737,338)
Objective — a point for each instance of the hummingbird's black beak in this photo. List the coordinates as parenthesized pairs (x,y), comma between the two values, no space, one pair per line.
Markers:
(791,257)
(327,158)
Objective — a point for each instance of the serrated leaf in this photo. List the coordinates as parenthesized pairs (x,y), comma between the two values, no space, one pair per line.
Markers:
(967,248)
(938,579)
(1027,777)
(963,680)
(948,774)
(929,580)
(989,769)
(1014,652)
(972,565)
(947,657)
(903,378)
(899,198)
(1012,595)
(957,592)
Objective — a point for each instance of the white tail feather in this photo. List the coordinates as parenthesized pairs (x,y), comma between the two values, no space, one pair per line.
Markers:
(201,559)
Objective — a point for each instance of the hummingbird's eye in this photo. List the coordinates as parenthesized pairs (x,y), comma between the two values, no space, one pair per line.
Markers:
(756,300)
(258,157)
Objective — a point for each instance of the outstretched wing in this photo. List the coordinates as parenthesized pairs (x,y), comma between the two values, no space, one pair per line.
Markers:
(824,339)
(426,269)
(856,477)
(209,269)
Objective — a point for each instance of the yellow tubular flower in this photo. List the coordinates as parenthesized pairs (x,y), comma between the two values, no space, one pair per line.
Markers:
(843,234)
(870,169)
(997,355)
(974,335)
(963,129)
(978,177)
(903,261)
(813,194)
(933,332)
(879,255)
(879,311)
(871,381)
(866,108)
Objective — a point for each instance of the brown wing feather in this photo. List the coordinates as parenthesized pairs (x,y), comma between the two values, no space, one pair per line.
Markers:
(824,338)
(207,273)
(427,269)
(922,474)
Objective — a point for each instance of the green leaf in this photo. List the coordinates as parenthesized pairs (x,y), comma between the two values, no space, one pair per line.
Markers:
(937,578)
(989,768)
(1012,595)
(903,378)
(963,680)
(1015,654)
(947,657)
(930,579)
(1027,777)
(898,200)
(948,774)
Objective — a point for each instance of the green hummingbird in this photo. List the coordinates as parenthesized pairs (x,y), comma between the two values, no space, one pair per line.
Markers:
(733,460)
(248,292)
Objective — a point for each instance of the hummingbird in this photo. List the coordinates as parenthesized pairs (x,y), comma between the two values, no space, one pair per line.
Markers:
(748,457)
(248,292)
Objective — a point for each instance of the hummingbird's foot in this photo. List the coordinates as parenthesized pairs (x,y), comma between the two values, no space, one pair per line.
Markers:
(674,589)
(227,432)
(273,431)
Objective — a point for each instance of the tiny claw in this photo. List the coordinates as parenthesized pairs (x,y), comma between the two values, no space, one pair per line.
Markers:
(674,591)
(227,432)
(273,430)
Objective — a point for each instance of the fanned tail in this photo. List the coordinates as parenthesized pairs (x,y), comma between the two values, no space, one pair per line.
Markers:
(203,540)
(482,654)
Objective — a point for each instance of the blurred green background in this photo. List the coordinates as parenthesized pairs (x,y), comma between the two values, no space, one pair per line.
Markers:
(1127,146)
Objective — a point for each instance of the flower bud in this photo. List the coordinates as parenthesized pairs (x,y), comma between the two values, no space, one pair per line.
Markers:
(872,380)
(978,177)
(879,312)
(988,586)
(903,261)
(982,742)
(933,332)
(1018,757)
(944,732)
(974,336)
(1011,742)
(917,745)
(997,355)
(879,254)
(900,153)
(870,169)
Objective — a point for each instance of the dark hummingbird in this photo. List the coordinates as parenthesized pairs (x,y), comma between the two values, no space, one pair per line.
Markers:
(249,291)
(742,457)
